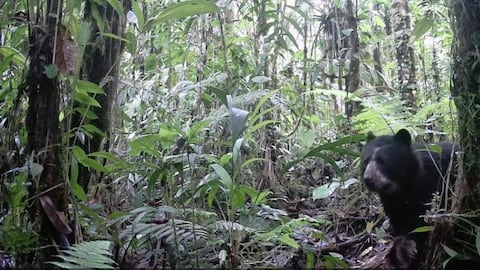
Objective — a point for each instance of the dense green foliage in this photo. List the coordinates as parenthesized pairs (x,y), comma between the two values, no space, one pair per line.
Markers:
(227,116)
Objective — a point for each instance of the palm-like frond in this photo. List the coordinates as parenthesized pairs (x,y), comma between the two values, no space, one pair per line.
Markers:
(87,255)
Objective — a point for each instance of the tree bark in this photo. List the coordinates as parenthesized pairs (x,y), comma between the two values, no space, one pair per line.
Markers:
(102,67)
(42,125)
(352,82)
(407,82)
(466,92)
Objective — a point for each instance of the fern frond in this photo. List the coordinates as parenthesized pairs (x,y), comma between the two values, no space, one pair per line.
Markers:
(87,255)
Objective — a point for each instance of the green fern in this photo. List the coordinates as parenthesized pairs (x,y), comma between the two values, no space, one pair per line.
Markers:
(87,255)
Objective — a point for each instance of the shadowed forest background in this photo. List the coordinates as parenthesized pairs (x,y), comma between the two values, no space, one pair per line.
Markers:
(227,134)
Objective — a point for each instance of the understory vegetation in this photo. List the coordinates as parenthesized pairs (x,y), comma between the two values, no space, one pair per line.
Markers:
(232,135)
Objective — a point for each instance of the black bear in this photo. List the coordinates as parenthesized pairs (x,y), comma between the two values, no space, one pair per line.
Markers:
(405,176)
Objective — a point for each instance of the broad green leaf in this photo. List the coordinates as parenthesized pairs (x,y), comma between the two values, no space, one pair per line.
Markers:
(93,164)
(237,152)
(286,239)
(223,174)
(247,162)
(169,134)
(78,191)
(421,27)
(132,42)
(73,170)
(147,144)
(187,8)
(85,32)
(89,87)
(86,112)
(113,36)
(260,125)
(332,147)
(220,94)
(152,180)
(83,159)
(91,129)
(117,5)
(310,261)
(12,54)
(98,19)
(85,99)
(422,229)
(295,23)
(139,14)
(257,112)
(225,158)
(238,198)
(51,71)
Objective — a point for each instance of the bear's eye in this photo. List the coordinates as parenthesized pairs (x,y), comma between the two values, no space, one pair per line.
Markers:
(380,160)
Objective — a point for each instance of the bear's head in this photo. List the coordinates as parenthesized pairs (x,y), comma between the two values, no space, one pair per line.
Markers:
(389,165)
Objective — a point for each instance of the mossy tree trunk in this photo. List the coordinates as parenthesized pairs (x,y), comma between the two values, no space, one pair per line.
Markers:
(405,55)
(101,67)
(352,82)
(466,92)
(42,124)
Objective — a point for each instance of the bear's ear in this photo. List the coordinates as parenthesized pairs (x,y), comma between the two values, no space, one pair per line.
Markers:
(370,136)
(403,136)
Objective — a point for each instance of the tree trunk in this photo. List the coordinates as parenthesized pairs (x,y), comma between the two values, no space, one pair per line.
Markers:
(407,82)
(42,125)
(352,82)
(466,91)
(101,67)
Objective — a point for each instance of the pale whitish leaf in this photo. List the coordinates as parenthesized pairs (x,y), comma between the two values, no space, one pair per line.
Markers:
(347,32)
(221,77)
(325,191)
(80,136)
(222,256)
(35,169)
(227,225)
(349,182)
(238,117)
(131,17)
(260,79)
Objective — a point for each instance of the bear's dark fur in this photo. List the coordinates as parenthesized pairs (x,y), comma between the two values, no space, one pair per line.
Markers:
(405,176)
